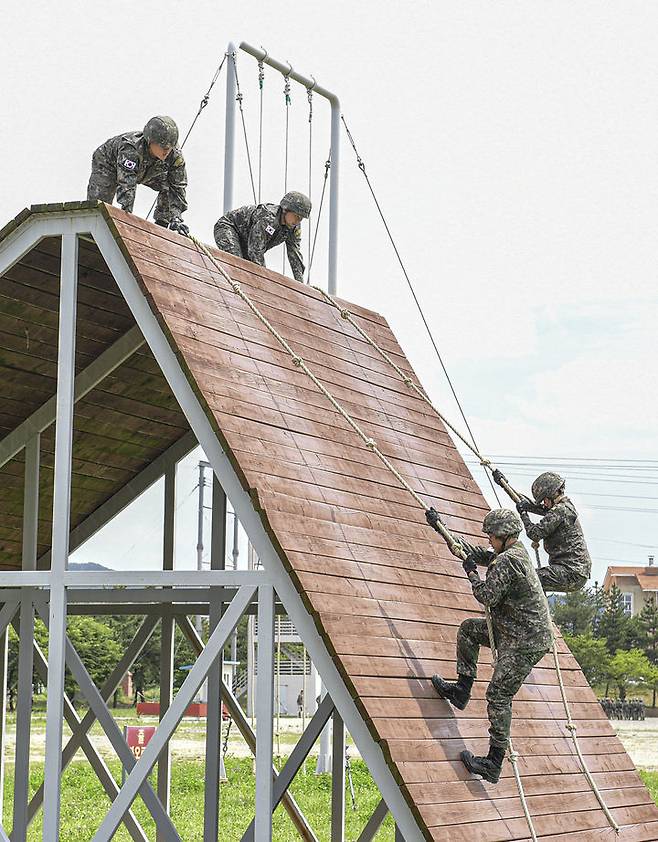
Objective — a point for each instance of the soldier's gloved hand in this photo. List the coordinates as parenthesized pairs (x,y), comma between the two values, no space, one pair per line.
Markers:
(523,506)
(482,556)
(498,476)
(178,225)
(470,565)
(433,518)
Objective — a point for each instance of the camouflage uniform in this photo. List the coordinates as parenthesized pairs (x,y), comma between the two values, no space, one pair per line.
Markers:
(522,632)
(252,230)
(124,161)
(569,563)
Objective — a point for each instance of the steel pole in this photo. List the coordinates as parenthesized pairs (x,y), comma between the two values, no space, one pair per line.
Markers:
(285,69)
(229,129)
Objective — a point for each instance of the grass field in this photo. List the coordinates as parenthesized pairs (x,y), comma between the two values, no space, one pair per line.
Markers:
(83,803)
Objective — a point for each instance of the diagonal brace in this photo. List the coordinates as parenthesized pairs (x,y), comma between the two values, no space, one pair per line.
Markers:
(374,822)
(175,713)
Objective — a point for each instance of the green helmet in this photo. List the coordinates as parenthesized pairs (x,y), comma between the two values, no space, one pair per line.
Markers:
(502,523)
(297,203)
(549,485)
(161,130)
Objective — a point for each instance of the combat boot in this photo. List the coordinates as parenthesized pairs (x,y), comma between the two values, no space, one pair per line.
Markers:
(487,767)
(456,692)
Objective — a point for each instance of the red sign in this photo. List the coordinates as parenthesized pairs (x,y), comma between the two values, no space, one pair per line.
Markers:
(138,737)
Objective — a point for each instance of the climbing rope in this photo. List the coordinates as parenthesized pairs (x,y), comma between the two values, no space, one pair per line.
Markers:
(286,94)
(516,497)
(205,99)
(361,165)
(309,96)
(261,82)
(239,97)
(327,167)
(453,544)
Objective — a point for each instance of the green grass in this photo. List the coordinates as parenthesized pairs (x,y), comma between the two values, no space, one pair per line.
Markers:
(651,782)
(84,803)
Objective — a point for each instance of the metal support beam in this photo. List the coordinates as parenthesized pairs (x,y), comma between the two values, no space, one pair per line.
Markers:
(31,503)
(23,719)
(4,650)
(398,835)
(242,723)
(87,380)
(139,773)
(338,780)
(296,758)
(60,534)
(167,642)
(264,713)
(374,822)
(334,183)
(229,129)
(215,675)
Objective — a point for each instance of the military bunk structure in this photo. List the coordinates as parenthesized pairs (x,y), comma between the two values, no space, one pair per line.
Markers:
(121,348)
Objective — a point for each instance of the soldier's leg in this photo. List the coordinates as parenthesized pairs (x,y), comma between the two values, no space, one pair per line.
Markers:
(512,668)
(556,578)
(472,634)
(227,239)
(102,181)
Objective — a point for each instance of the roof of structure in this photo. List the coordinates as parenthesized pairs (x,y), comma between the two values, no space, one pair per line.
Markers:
(384,592)
(646,577)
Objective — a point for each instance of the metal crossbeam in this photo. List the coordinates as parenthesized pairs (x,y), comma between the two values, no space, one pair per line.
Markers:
(139,773)
(296,758)
(135,578)
(374,822)
(87,380)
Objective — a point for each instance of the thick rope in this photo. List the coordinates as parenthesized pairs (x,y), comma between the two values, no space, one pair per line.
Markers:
(570,726)
(286,94)
(309,95)
(327,167)
(455,546)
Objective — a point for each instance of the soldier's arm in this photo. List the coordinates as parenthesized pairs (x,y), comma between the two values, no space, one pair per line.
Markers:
(546,526)
(258,238)
(177,187)
(495,588)
(127,167)
(294,249)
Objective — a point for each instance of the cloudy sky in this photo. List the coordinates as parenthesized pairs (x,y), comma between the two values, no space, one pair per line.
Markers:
(512,146)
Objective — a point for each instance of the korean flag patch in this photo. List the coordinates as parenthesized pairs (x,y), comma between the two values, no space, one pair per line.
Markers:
(129,165)
(270,229)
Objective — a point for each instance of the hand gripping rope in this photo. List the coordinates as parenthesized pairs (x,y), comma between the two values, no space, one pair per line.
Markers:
(453,545)
(515,496)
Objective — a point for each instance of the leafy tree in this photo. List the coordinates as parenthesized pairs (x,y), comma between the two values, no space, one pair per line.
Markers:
(648,619)
(628,666)
(573,613)
(613,622)
(592,656)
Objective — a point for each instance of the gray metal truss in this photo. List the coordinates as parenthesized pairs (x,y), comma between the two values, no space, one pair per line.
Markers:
(224,595)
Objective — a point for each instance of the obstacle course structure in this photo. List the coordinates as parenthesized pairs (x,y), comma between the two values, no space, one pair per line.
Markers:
(122,348)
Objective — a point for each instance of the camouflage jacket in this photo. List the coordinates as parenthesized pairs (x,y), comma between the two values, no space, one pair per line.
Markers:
(128,155)
(563,538)
(514,595)
(260,228)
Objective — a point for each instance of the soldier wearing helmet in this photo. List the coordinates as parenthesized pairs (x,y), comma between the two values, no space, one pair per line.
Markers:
(252,230)
(521,627)
(569,563)
(149,157)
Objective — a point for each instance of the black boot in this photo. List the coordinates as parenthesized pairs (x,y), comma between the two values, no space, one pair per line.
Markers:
(456,692)
(487,767)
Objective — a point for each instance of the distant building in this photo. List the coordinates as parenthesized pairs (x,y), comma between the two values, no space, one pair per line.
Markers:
(639,585)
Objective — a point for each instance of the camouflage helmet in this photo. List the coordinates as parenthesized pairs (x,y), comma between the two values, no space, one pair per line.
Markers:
(502,523)
(297,203)
(161,130)
(548,485)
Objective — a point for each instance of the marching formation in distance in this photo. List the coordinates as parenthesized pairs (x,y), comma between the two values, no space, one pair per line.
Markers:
(513,591)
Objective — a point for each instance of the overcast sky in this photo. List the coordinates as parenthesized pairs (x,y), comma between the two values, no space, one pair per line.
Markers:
(513,147)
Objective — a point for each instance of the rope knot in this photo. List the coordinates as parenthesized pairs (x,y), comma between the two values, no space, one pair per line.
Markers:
(345,314)
(371,444)
(513,756)
(571,726)
(297,361)
(408,381)
(486,463)
(236,287)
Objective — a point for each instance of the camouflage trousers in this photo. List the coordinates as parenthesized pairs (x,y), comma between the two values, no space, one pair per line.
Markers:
(227,239)
(511,670)
(559,578)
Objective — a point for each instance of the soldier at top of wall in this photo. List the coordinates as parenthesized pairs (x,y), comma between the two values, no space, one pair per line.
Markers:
(149,157)
(252,230)
(569,563)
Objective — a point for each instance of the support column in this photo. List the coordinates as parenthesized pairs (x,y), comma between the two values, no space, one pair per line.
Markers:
(229,129)
(60,534)
(338,780)
(167,642)
(4,649)
(214,760)
(264,714)
(324,757)
(23,719)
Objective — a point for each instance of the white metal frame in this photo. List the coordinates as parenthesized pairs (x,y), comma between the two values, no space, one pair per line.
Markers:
(231,592)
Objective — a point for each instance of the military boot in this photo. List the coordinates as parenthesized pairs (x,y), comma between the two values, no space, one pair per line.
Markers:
(487,767)
(456,692)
